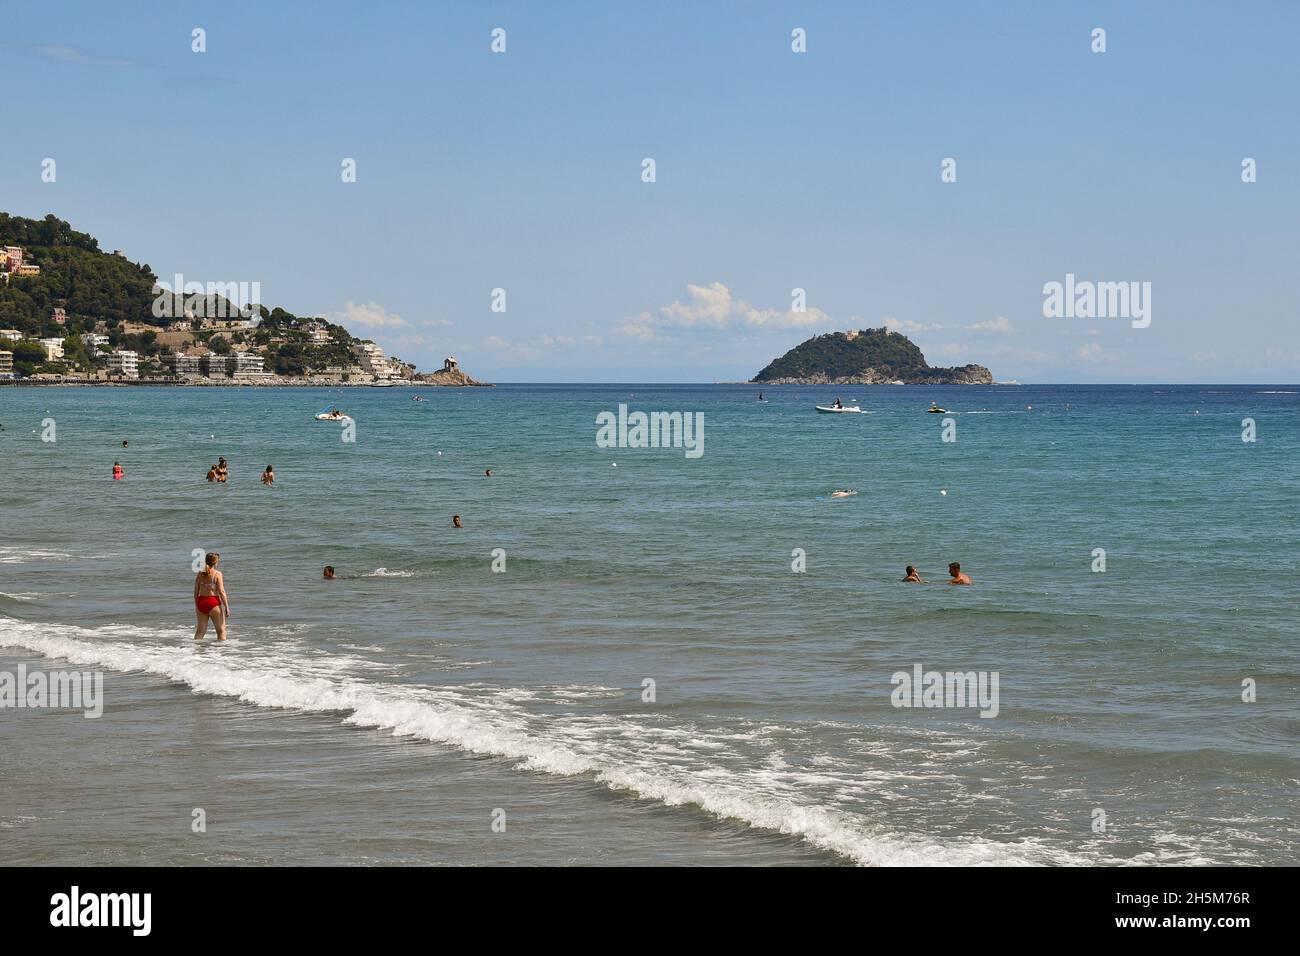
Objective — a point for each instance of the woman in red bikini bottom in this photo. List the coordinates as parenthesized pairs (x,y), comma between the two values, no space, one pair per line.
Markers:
(210,600)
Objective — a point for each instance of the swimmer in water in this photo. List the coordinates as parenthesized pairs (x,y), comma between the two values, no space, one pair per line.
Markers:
(840,493)
(913,577)
(118,472)
(223,470)
(210,600)
(329,572)
(487,473)
(455,521)
(212,474)
(124,443)
(957,575)
(268,476)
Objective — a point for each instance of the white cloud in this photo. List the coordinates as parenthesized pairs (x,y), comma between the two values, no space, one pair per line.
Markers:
(66,53)
(999,325)
(532,350)
(713,307)
(372,315)
(907,326)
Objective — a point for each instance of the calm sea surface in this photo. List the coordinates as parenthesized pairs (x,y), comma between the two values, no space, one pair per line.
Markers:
(393,715)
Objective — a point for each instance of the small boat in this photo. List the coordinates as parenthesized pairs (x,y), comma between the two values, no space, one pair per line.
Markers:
(936,410)
(331,413)
(383,384)
(832,410)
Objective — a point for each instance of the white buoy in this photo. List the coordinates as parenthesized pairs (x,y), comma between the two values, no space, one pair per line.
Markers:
(614,464)
(942,492)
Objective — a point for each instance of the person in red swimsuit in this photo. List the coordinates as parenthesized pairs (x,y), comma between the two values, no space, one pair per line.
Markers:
(210,600)
(117,471)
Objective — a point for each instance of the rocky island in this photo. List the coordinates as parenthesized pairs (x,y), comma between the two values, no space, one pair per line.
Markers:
(865,357)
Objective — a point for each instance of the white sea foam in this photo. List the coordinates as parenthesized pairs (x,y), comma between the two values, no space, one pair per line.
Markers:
(24,555)
(670,764)
(385,573)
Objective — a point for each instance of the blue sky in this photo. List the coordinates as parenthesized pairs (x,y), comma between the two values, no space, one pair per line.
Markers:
(775,171)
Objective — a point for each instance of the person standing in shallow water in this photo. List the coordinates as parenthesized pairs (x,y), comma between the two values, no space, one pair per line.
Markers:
(455,521)
(210,600)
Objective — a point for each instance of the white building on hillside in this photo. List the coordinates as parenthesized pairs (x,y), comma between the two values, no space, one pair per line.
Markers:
(124,363)
(374,361)
(183,364)
(53,348)
(94,342)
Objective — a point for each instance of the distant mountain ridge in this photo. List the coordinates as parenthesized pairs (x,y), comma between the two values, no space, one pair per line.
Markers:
(865,357)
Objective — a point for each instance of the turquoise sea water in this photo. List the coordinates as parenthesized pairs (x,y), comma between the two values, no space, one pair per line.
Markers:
(385,716)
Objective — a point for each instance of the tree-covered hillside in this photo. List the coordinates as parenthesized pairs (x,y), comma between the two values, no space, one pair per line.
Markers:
(87,283)
(867,355)
(99,290)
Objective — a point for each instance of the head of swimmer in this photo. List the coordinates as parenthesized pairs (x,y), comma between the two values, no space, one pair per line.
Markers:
(211,561)
(329,572)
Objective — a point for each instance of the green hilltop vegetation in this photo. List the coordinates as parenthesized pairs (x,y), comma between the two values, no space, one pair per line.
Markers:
(867,356)
(75,274)
(101,291)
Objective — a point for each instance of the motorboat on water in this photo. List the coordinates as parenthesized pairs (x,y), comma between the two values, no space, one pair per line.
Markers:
(840,409)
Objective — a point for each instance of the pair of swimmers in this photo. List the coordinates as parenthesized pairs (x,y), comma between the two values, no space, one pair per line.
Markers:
(955,575)
(219,472)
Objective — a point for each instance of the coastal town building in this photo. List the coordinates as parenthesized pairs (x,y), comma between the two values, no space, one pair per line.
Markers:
(53,348)
(248,365)
(28,269)
(213,365)
(94,342)
(374,361)
(337,374)
(12,335)
(60,317)
(6,364)
(228,325)
(124,363)
(320,335)
(183,364)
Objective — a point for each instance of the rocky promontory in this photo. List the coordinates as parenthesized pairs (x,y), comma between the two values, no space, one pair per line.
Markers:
(450,374)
